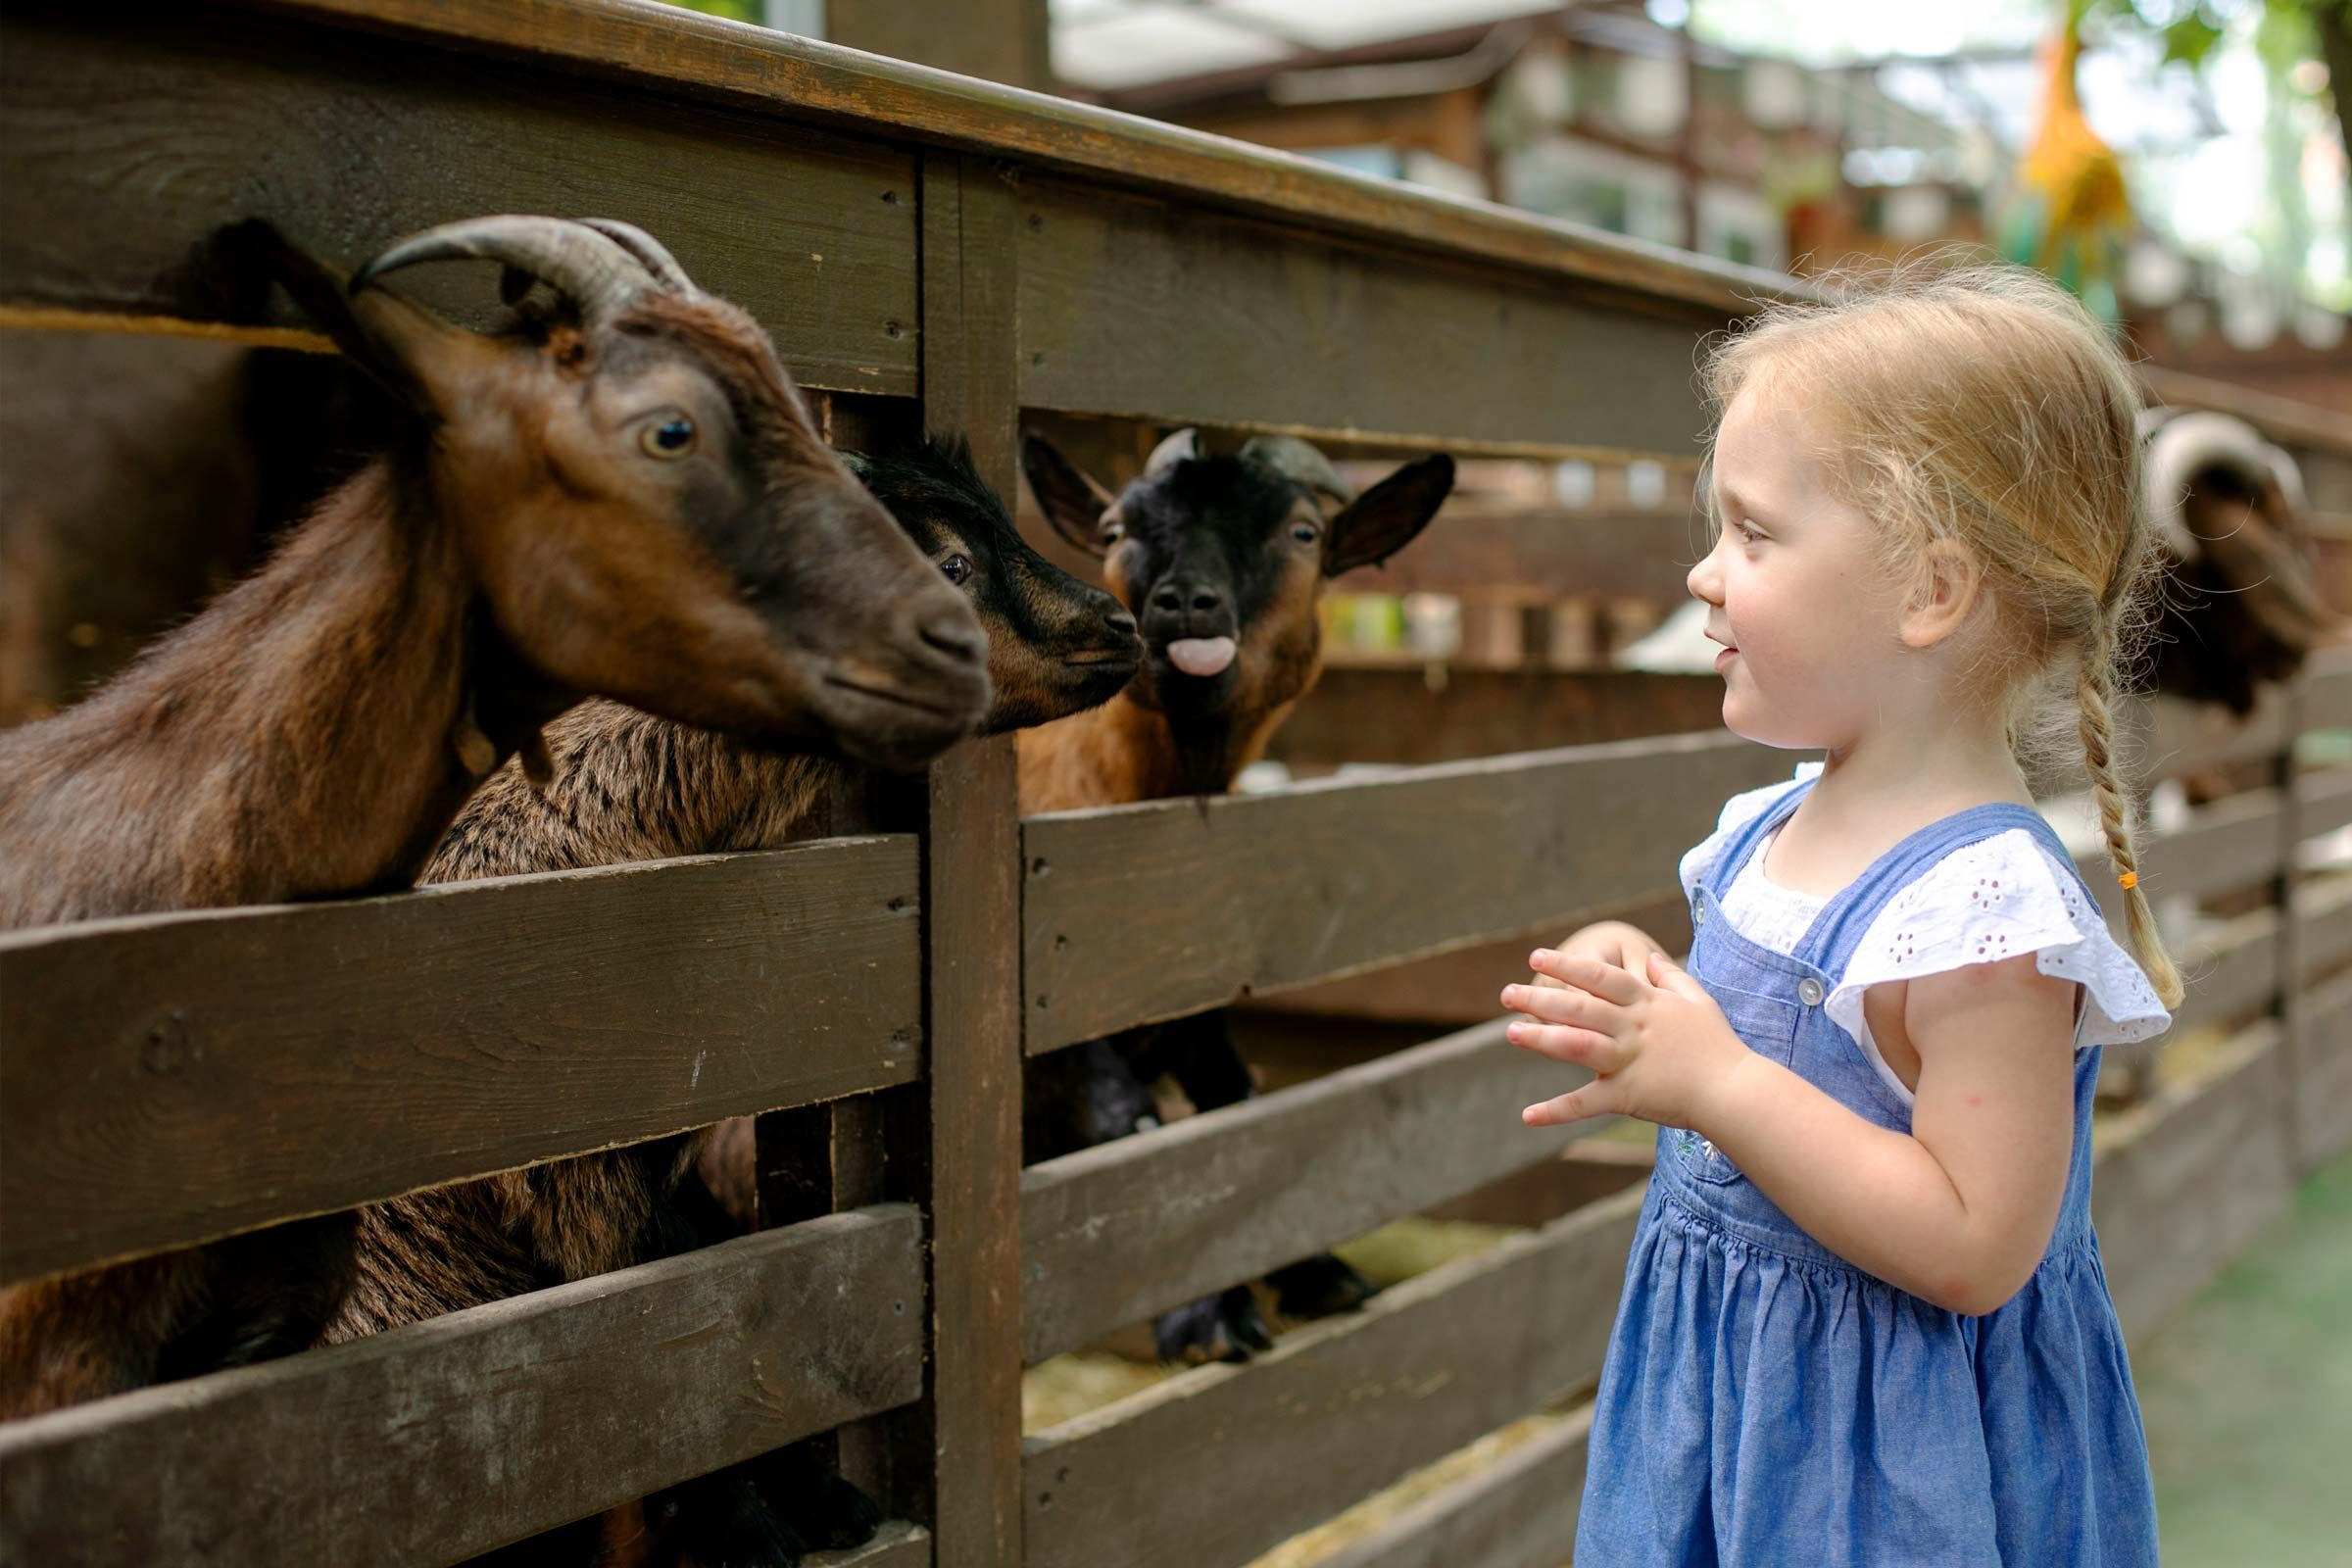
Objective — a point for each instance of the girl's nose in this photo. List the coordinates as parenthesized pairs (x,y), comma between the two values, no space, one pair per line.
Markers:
(1705,581)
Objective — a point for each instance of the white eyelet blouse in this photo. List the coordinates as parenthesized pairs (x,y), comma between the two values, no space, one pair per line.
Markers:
(1995,899)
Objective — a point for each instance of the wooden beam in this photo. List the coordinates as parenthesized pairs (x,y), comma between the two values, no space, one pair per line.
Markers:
(1341,340)
(1116,1233)
(350,141)
(175,1078)
(1141,912)
(1334,1412)
(1518,1512)
(445,1439)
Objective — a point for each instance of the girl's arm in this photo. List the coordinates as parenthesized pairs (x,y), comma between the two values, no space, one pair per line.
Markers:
(1959,1210)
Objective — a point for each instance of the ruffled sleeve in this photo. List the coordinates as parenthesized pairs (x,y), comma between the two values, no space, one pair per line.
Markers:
(1738,811)
(1992,900)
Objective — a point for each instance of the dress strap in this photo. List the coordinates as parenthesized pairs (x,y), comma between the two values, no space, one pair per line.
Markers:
(1736,850)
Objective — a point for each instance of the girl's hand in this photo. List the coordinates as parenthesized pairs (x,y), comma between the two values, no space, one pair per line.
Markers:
(1656,1041)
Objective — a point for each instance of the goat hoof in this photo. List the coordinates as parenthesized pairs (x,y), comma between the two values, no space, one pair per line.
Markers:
(1321,1286)
(1225,1327)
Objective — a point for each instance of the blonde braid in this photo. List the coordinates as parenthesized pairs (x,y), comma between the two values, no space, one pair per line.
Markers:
(2098,733)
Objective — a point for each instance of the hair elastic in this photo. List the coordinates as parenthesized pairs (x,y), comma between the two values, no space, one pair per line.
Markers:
(2130,880)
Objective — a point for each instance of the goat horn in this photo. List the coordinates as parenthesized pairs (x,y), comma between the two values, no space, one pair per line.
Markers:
(648,250)
(1182,447)
(595,273)
(1301,461)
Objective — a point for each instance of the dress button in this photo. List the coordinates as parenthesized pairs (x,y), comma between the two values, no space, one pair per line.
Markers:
(1808,992)
(1699,915)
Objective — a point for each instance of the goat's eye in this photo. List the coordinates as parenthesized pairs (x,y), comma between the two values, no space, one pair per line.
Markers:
(1307,533)
(671,439)
(958,569)
(1113,532)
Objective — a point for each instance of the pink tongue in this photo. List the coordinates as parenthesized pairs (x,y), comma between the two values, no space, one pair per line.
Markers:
(1200,656)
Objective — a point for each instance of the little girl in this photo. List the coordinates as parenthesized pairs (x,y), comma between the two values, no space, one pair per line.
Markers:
(1864,1320)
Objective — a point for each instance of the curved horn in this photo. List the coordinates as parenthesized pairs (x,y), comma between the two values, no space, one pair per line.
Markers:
(648,250)
(593,271)
(1182,447)
(2176,450)
(1301,461)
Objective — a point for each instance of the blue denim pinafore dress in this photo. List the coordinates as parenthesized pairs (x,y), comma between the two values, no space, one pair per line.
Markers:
(1766,1402)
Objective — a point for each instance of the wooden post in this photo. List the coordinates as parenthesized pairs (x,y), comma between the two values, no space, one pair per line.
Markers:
(961,1141)
(2290,1008)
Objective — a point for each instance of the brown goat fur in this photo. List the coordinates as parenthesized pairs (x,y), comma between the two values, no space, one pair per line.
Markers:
(313,731)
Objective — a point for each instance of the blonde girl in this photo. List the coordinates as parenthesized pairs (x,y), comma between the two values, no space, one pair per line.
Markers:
(1864,1318)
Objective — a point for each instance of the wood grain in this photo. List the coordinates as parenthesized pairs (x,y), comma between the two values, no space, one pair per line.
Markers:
(174,1078)
(435,1442)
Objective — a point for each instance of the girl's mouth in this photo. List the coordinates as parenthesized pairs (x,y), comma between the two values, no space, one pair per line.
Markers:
(1723,659)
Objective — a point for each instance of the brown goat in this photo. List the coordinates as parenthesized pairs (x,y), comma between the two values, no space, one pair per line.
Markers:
(1224,560)
(633,787)
(622,496)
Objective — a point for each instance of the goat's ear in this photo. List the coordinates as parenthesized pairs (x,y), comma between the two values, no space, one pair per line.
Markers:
(1383,519)
(399,343)
(1071,502)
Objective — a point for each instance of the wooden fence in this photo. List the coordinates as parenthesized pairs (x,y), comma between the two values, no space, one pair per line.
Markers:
(927,248)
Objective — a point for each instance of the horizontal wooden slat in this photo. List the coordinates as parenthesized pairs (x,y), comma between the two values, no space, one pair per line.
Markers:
(2324,926)
(444,1439)
(1518,1512)
(1444,713)
(1548,555)
(2187,737)
(2185,1181)
(134,145)
(1134,914)
(1115,319)
(2323,801)
(2283,420)
(1332,1413)
(1116,1233)
(2233,973)
(690,55)
(171,1078)
(2235,842)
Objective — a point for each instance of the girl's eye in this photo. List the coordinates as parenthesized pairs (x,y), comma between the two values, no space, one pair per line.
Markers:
(1307,533)
(1747,530)
(671,438)
(958,569)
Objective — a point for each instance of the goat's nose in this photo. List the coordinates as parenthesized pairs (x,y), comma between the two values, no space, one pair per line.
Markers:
(955,636)
(1165,597)
(1120,622)
(1206,598)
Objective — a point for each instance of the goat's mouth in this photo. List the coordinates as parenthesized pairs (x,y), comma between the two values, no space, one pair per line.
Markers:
(946,712)
(1098,658)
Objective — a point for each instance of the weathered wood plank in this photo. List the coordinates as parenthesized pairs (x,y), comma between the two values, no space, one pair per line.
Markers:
(2232,973)
(1518,1512)
(1115,1232)
(135,143)
(964,1442)
(2234,843)
(1548,555)
(2185,1181)
(2328,690)
(448,1438)
(2323,801)
(2188,737)
(1341,340)
(1140,912)
(682,53)
(1444,713)
(1332,1413)
(174,1078)
(2323,912)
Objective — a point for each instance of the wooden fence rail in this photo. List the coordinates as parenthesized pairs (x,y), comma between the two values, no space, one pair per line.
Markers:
(943,253)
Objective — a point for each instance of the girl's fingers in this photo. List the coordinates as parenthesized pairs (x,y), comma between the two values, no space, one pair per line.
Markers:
(1603,980)
(1580,1046)
(1563,1004)
(1581,1106)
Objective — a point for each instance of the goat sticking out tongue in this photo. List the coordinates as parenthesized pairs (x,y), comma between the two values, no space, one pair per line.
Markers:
(1200,656)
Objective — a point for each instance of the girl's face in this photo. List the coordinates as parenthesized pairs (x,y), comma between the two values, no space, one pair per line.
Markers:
(1806,610)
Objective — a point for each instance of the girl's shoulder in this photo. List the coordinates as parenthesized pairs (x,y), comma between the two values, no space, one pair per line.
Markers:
(2000,897)
(1738,811)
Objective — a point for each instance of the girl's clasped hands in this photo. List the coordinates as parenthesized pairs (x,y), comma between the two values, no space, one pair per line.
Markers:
(1660,1045)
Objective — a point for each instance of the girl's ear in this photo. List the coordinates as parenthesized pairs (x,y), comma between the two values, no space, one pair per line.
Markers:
(1944,594)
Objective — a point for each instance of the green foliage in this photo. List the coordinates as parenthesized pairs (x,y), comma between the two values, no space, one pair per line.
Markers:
(732,10)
